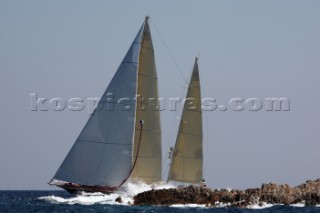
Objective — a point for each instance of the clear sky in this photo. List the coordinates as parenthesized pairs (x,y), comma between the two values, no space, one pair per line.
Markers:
(248,49)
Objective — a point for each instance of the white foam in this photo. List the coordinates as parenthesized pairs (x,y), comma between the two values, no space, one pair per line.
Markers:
(188,206)
(302,204)
(130,190)
(257,206)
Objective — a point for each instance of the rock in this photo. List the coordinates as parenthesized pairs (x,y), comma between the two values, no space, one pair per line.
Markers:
(213,198)
(310,203)
(118,199)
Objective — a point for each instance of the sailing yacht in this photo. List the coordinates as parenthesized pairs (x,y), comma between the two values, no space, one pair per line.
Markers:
(121,141)
(187,155)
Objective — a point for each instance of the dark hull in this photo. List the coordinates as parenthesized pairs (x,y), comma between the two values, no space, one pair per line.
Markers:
(78,189)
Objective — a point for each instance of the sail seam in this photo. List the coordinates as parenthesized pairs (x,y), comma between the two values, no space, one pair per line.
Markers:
(105,142)
(129,62)
(187,157)
(146,48)
(117,103)
(151,130)
(140,74)
(194,87)
(141,156)
(198,135)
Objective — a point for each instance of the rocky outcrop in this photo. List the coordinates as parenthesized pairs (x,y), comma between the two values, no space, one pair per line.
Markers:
(180,195)
(197,195)
(274,193)
(308,192)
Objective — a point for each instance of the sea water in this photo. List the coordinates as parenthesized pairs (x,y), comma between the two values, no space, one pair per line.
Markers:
(61,201)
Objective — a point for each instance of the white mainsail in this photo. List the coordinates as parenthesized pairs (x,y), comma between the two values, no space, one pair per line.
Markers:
(106,150)
(187,156)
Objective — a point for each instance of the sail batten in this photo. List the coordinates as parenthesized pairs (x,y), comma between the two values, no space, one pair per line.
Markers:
(187,157)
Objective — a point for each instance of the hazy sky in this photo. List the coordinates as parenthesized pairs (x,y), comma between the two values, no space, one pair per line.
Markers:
(248,49)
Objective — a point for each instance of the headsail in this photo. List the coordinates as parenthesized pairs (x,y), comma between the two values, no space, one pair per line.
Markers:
(148,165)
(187,158)
(103,153)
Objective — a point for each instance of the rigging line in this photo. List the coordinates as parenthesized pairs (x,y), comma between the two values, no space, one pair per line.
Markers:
(207,143)
(141,121)
(187,85)
(178,114)
(170,138)
(174,129)
(165,170)
(51,183)
(136,158)
(207,138)
(170,53)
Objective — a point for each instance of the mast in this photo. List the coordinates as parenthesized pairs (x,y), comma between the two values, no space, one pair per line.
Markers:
(187,156)
(103,154)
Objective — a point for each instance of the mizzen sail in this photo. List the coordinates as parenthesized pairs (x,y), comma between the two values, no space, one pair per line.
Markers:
(187,159)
